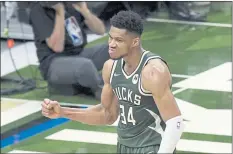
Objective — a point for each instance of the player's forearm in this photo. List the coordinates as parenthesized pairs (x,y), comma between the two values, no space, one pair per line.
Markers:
(94,115)
(172,134)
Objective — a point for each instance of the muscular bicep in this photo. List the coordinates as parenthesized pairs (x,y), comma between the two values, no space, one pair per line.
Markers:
(157,79)
(108,98)
(110,104)
(167,105)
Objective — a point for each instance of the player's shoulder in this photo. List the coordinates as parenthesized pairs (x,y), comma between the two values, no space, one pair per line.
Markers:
(107,69)
(108,64)
(158,67)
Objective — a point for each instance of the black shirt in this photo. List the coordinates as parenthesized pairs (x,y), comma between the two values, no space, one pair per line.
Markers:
(42,20)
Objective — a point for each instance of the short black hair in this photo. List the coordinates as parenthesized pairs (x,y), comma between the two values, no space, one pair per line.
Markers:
(128,20)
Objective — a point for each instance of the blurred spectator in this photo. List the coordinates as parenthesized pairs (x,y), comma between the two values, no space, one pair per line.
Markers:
(60,40)
(187,10)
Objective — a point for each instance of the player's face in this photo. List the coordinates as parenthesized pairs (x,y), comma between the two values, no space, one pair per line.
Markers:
(120,43)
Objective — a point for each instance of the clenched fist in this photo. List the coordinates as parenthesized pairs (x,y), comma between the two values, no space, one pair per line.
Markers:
(51,109)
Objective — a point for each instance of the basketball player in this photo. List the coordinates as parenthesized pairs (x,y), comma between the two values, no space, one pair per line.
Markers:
(137,88)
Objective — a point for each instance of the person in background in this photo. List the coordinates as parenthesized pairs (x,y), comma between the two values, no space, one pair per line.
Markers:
(60,40)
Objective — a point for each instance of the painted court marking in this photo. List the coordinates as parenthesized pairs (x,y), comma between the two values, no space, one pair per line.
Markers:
(215,79)
(22,110)
(6,105)
(25,108)
(196,124)
(111,139)
(189,22)
(211,122)
(181,76)
(22,151)
(207,122)
(179,91)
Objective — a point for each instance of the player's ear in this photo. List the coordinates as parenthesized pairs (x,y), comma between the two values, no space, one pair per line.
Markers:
(136,42)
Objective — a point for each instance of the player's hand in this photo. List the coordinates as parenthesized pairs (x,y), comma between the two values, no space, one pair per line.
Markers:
(51,109)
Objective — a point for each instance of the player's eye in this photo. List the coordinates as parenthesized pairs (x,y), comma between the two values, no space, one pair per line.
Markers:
(119,40)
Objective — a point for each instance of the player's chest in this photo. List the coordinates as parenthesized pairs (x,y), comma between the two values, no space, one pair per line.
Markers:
(126,90)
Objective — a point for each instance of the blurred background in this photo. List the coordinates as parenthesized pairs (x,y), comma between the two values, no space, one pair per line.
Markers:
(195,38)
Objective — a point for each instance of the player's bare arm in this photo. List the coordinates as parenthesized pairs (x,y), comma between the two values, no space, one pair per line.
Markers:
(101,114)
(156,78)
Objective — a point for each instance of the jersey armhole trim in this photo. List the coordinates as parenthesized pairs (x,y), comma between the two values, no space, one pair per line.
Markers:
(141,89)
(112,70)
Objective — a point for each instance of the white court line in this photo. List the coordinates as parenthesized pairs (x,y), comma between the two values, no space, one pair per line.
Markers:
(181,76)
(179,90)
(205,122)
(215,79)
(196,126)
(111,139)
(29,107)
(37,101)
(204,146)
(22,151)
(22,110)
(189,22)
(186,108)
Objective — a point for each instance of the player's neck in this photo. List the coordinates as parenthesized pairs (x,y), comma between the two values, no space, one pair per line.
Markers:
(132,60)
